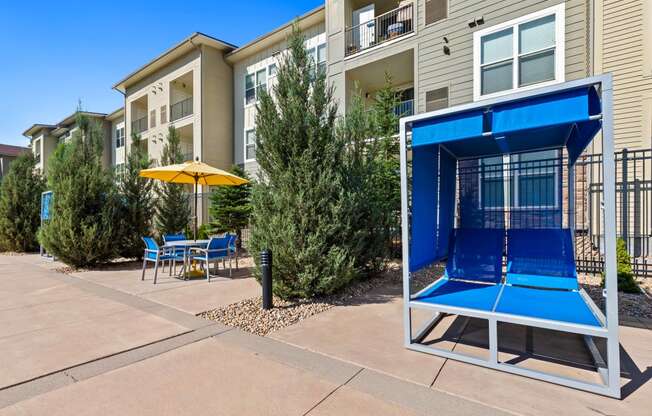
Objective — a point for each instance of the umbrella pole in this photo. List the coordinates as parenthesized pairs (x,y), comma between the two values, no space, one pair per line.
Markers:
(196,216)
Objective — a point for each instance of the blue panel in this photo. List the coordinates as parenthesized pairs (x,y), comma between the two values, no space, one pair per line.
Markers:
(447,171)
(46,205)
(567,107)
(541,258)
(555,305)
(447,128)
(476,254)
(462,295)
(580,138)
(424,207)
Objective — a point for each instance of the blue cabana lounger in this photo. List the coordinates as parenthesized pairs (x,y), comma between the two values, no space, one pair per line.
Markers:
(491,191)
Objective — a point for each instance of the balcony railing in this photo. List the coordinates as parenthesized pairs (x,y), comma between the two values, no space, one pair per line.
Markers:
(388,26)
(404,108)
(181,109)
(138,126)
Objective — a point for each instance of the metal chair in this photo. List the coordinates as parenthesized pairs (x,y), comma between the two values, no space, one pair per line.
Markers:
(217,249)
(155,254)
(179,251)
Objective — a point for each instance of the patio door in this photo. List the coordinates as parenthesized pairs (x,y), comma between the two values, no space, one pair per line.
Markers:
(364,20)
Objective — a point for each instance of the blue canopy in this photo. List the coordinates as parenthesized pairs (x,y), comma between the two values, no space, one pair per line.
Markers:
(568,118)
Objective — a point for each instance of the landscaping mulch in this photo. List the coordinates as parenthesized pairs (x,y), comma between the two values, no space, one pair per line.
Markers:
(249,316)
(634,305)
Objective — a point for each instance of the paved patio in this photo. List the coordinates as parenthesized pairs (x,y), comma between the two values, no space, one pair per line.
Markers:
(103,342)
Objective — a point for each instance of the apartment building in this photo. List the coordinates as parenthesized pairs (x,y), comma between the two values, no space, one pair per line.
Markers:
(8,154)
(44,138)
(190,87)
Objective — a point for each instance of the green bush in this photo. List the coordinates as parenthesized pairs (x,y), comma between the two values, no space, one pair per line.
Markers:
(626,281)
(312,204)
(84,228)
(20,203)
(137,209)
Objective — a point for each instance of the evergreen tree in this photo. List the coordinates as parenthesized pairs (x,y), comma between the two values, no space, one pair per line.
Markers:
(83,229)
(173,204)
(137,202)
(231,206)
(387,180)
(20,203)
(308,203)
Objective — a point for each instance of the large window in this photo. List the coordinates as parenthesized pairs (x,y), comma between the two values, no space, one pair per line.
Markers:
(250,145)
(524,53)
(254,84)
(318,57)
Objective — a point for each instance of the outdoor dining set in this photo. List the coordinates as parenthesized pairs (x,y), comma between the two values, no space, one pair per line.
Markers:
(190,254)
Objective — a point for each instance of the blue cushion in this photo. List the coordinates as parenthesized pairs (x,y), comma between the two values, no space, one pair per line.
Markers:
(555,305)
(462,295)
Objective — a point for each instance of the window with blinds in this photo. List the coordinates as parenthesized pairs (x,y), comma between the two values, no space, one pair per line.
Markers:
(437,99)
(436,10)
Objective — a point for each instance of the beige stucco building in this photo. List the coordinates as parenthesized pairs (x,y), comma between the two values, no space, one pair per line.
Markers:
(44,138)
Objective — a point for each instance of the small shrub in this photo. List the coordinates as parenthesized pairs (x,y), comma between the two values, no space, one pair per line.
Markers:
(231,206)
(626,281)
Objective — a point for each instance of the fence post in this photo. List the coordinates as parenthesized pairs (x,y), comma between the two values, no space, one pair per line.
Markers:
(624,199)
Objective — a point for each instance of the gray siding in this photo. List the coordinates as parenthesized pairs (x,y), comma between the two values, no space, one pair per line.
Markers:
(436,70)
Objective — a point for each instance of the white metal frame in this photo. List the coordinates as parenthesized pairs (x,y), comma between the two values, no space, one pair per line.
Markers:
(610,372)
(560,44)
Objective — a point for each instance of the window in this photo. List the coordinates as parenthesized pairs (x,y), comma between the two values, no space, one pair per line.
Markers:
(520,54)
(254,84)
(536,179)
(164,114)
(250,89)
(436,10)
(492,194)
(271,70)
(261,82)
(37,149)
(119,137)
(437,99)
(119,171)
(152,119)
(250,145)
(321,58)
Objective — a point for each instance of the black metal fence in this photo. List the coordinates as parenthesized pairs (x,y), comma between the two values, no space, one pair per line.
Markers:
(383,28)
(633,210)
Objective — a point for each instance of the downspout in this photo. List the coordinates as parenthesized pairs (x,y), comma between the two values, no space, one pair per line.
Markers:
(124,110)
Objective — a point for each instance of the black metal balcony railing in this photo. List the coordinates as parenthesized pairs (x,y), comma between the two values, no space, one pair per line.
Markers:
(181,109)
(138,126)
(388,26)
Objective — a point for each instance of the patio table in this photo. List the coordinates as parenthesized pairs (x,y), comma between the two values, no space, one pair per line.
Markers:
(186,245)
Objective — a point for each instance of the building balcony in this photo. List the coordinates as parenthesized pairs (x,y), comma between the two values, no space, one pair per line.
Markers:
(140,125)
(386,27)
(404,108)
(181,109)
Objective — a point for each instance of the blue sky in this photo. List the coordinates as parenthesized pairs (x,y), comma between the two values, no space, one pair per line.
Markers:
(58,52)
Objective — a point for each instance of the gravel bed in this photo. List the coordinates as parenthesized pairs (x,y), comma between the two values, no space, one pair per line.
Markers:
(249,316)
(631,305)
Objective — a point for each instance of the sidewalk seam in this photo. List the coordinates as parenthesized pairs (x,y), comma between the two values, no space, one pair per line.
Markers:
(333,392)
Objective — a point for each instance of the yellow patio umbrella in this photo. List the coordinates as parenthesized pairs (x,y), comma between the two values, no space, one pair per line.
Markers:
(195,173)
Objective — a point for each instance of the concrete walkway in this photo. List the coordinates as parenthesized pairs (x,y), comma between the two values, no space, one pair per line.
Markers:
(75,346)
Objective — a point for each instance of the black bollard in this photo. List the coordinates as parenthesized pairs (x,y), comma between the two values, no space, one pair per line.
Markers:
(266,268)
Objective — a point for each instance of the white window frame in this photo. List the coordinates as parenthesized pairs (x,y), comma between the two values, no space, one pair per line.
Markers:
(120,137)
(247,145)
(560,42)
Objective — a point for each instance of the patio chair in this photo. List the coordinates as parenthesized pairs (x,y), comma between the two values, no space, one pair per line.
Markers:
(233,248)
(179,251)
(217,249)
(157,255)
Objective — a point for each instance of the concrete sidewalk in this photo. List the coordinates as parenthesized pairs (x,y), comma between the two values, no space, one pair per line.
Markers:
(74,346)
